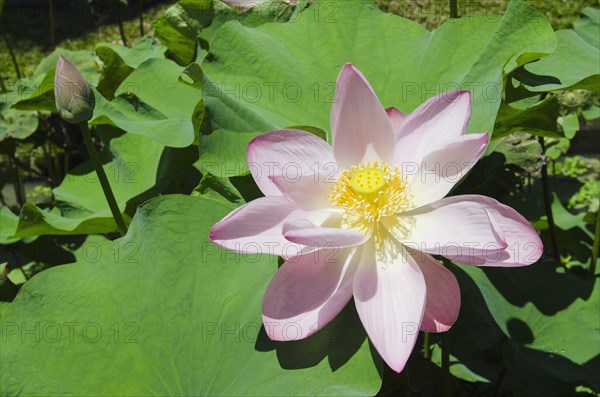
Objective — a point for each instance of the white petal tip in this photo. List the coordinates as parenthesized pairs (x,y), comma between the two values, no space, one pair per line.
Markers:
(397,367)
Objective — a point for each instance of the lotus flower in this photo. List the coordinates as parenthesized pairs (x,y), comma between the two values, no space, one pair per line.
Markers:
(362,217)
(73,95)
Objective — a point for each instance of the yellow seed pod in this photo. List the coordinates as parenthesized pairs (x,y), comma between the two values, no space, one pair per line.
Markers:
(368,181)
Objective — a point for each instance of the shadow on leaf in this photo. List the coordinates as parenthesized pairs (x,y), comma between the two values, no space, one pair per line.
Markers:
(338,341)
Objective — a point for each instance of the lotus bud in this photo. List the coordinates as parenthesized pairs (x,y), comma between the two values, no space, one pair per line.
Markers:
(73,95)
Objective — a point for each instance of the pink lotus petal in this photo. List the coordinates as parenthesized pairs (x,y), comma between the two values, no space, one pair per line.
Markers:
(309,192)
(433,124)
(389,294)
(361,130)
(287,153)
(441,169)
(397,117)
(256,227)
(524,246)
(307,292)
(452,229)
(456,227)
(443,294)
(304,232)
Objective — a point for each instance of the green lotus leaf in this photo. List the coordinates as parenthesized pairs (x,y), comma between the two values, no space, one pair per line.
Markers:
(170,314)
(282,74)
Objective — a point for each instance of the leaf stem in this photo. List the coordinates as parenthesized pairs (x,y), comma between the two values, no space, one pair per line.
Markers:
(12,55)
(2,84)
(52,25)
(453,9)
(141,4)
(120,22)
(19,263)
(49,162)
(108,193)
(498,382)
(15,165)
(426,351)
(548,201)
(19,181)
(595,248)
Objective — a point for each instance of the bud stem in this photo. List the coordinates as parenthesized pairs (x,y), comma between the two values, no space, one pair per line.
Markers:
(445,365)
(108,193)
(426,348)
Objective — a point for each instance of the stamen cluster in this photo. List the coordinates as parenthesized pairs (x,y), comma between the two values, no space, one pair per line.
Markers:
(363,210)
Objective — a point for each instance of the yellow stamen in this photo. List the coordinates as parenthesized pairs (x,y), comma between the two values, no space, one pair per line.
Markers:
(369,192)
